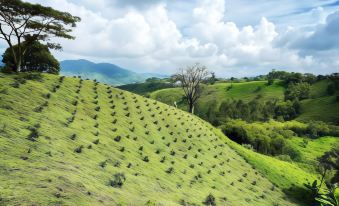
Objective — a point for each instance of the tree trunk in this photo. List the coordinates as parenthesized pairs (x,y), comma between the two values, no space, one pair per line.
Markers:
(190,107)
(18,66)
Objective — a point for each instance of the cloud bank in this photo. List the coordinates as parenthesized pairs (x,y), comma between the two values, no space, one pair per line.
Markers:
(161,36)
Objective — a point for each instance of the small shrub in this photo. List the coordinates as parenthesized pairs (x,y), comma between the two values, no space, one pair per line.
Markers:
(116,163)
(117,138)
(170,170)
(118,180)
(75,102)
(210,200)
(34,134)
(79,149)
(38,109)
(145,159)
(73,137)
(48,96)
(96,141)
(172,152)
(103,164)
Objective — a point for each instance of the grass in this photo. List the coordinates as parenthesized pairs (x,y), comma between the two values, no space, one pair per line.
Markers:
(286,175)
(82,155)
(314,148)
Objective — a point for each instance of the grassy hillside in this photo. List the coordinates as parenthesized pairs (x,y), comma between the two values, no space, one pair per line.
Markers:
(65,141)
(320,106)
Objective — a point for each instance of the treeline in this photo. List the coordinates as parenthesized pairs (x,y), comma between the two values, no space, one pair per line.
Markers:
(255,110)
(150,85)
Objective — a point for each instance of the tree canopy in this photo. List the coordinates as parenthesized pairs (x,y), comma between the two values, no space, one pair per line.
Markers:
(25,22)
(38,58)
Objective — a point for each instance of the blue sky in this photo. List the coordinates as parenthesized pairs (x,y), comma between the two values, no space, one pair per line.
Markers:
(231,37)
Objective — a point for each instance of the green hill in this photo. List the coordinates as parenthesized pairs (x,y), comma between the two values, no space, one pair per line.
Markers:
(65,141)
(320,106)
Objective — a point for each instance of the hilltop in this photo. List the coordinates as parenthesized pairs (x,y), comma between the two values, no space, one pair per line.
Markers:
(68,141)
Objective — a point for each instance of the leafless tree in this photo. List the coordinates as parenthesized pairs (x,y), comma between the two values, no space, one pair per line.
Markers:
(190,79)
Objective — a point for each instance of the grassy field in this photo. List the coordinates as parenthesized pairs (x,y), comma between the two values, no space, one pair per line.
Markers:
(314,148)
(65,141)
(319,106)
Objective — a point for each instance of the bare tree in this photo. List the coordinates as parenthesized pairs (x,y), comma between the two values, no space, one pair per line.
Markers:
(190,79)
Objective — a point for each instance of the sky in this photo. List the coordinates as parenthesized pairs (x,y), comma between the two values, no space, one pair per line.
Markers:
(231,37)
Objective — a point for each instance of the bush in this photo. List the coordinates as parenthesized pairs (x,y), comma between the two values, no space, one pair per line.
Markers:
(34,133)
(170,170)
(210,200)
(317,129)
(331,89)
(118,180)
(117,138)
(145,159)
(79,149)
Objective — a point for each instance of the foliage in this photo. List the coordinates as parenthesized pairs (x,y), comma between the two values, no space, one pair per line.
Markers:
(210,200)
(150,85)
(37,59)
(118,180)
(297,91)
(329,198)
(25,22)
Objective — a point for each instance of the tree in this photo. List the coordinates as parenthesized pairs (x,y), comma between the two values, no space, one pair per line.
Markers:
(211,80)
(190,79)
(22,23)
(329,161)
(38,58)
(297,91)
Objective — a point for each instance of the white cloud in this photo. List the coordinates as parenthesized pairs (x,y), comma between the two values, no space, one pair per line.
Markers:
(153,36)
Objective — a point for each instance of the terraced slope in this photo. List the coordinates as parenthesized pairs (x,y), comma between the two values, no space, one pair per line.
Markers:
(65,141)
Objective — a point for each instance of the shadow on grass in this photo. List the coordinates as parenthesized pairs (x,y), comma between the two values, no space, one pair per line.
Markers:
(301,195)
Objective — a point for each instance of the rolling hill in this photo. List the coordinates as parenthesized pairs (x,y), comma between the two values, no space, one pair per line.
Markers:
(68,141)
(319,106)
(103,72)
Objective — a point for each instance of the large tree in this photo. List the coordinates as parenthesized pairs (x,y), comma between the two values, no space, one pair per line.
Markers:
(22,23)
(190,79)
(38,58)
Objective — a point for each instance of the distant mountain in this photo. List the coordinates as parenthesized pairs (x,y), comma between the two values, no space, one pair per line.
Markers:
(103,72)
